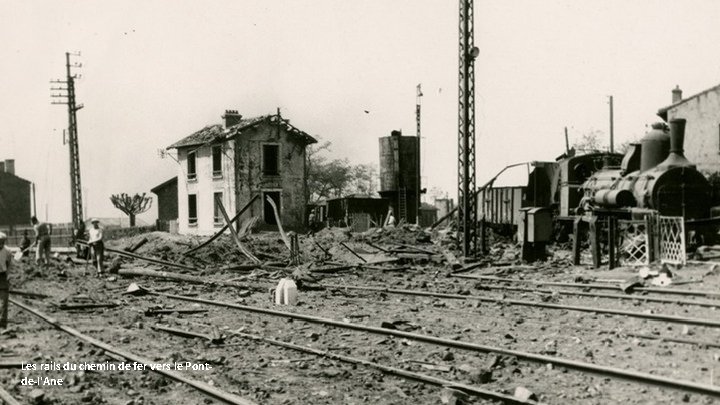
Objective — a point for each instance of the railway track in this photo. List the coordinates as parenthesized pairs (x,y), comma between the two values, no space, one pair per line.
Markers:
(593,286)
(656,317)
(686,386)
(207,389)
(265,322)
(230,398)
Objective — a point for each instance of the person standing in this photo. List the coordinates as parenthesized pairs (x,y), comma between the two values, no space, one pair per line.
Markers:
(81,235)
(390,221)
(25,244)
(96,243)
(5,263)
(42,241)
(311,222)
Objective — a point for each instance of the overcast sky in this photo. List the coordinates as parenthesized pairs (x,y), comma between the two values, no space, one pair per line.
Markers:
(156,71)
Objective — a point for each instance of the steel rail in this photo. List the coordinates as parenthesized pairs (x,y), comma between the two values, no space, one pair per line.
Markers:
(188,278)
(691,342)
(708,304)
(655,317)
(201,386)
(594,286)
(470,389)
(558,361)
(7,398)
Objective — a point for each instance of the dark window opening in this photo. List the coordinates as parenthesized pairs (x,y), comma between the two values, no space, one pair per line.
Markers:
(270,159)
(192,209)
(191,173)
(217,160)
(218,217)
(268,214)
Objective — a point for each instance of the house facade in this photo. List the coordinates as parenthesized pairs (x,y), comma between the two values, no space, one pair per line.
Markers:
(236,160)
(702,131)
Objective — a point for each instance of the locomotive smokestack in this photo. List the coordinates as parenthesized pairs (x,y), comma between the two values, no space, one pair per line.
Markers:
(677,135)
(677,138)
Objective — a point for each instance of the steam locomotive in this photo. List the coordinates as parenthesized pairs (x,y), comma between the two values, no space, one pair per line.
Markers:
(653,175)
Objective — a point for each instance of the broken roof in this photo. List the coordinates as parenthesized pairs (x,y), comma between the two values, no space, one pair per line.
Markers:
(662,113)
(217,133)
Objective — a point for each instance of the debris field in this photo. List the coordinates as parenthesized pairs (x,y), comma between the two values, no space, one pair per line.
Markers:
(386,316)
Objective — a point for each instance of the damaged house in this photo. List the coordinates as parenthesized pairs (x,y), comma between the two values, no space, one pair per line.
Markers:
(236,160)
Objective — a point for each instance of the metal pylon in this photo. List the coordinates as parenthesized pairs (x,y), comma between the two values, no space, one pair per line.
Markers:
(467,210)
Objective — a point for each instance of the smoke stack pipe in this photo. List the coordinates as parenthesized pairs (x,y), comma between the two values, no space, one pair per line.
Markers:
(676,158)
(676,94)
(677,135)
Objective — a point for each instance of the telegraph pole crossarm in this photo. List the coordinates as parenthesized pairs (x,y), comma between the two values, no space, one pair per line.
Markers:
(68,94)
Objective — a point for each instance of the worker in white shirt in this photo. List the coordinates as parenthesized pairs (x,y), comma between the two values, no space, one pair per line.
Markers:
(390,221)
(5,262)
(95,241)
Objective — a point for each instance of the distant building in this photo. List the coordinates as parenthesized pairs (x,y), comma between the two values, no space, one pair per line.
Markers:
(344,211)
(702,131)
(428,215)
(167,202)
(244,157)
(444,206)
(15,197)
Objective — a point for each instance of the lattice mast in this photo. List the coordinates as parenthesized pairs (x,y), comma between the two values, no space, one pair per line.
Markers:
(418,184)
(72,139)
(467,210)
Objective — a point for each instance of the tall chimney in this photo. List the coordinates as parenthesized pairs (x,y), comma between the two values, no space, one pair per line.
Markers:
(10,166)
(231,118)
(676,94)
(676,158)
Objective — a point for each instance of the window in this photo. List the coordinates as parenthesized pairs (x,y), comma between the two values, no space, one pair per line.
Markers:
(192,209)
(191,172)
(270,159)
(217,160)
(218,217)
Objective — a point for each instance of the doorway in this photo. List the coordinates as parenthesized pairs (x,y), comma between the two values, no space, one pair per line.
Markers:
(268,215)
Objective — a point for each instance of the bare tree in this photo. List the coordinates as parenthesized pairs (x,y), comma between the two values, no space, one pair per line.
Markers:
(131,205)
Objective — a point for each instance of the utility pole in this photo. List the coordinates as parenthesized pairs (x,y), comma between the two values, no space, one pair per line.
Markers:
(419,165)
(567,142)
(612,134)
(467,210)
(68,94)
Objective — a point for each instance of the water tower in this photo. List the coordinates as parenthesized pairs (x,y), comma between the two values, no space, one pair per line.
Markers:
(400,174)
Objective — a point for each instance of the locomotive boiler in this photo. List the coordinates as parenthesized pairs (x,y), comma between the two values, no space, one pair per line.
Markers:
(653,175)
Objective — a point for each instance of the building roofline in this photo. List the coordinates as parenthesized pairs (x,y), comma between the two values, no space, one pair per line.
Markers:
(662,112)
(163,184)
(16,176)
(225,134)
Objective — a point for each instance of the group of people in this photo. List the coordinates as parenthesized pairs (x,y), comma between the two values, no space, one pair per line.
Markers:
(42,254)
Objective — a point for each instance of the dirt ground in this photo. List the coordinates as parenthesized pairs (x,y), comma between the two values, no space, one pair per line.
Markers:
(263,373)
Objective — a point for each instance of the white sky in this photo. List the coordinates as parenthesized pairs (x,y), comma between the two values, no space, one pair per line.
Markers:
(156,71)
